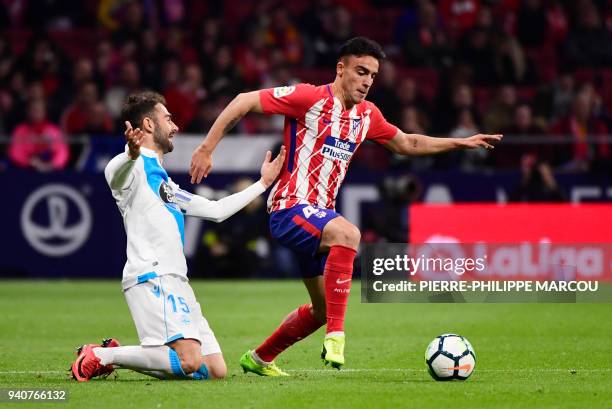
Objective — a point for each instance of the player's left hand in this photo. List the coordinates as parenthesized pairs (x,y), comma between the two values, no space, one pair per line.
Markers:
(480,141)
(271,169)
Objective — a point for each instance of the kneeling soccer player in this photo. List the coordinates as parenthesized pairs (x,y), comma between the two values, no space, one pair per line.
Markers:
(175,338)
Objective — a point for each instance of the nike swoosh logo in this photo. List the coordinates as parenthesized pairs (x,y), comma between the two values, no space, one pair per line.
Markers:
(338,281)
(465,367)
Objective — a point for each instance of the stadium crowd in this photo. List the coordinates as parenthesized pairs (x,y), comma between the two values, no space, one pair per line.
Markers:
(456,67)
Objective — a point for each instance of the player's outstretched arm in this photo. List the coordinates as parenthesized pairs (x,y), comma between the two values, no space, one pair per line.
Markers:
(415,144)
(118,172)
(220,210)
(201,160)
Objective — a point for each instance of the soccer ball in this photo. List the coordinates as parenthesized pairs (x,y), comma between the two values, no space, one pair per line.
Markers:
(450,356)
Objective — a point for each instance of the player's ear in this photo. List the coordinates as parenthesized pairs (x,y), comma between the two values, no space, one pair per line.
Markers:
(340,67)
(148,124)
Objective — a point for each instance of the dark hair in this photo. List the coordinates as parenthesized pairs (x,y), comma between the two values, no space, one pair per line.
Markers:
(359,46)
(137,106)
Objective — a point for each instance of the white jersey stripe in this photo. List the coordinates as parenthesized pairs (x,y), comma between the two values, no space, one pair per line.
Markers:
(310,139)
(322,181)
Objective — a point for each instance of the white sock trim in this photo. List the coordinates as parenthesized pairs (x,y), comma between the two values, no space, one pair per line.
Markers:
(334,334)
(258,360)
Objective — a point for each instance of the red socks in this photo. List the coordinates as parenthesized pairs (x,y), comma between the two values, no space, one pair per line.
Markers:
(300,323)
(297,325)
(338,275)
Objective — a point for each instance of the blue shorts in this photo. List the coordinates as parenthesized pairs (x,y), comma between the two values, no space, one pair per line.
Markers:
(299,228)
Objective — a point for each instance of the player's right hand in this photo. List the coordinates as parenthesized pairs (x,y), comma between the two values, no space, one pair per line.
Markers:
(134,138)
(271,169)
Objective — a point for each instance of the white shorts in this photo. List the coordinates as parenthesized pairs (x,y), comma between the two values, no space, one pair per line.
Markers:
(165,309)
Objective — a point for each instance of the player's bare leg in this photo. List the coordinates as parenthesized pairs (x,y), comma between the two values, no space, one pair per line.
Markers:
(340,239)
(216,366)
(316,291)
(299,324)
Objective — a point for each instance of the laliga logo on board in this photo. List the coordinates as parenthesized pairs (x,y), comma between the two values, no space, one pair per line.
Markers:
(58,236)
(525,260)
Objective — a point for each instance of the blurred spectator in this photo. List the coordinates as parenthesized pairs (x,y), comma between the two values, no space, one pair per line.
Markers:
(465,125)
(43,61)
(205,116)
(476,51)
(336,30)
(86,115)
(252,57)
(501,111)
(590,44)
(511,66)
(538,183)
(459,15)
(283,34)
(129,82)
(509,155)
(384,91)
(38,143)
(427,44)
(587,132)
(554,101)
(468,160)
(413,121)
(407,92)
(209,41)
(102,63)
(176,46)
(7,59)
(225,78)
(130,21)
(462,99)
(150,58)
(182,99)
(279,75)
(523,123)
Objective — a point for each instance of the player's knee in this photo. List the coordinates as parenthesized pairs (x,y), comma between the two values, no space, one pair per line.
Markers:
(349,236)
(344,234)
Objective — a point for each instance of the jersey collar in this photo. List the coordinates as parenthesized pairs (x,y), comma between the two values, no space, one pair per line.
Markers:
(149,153)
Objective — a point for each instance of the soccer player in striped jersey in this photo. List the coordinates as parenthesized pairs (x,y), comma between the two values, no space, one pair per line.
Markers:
(324,126)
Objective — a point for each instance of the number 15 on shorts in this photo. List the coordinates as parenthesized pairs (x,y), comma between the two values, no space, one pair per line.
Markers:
(181,304)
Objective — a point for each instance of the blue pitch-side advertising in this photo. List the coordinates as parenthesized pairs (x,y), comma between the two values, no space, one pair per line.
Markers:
(67,224)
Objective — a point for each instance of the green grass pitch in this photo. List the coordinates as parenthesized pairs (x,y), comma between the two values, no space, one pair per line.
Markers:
(528,355)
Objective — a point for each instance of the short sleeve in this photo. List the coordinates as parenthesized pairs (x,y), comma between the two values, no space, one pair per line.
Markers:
(292,101)
(380,130)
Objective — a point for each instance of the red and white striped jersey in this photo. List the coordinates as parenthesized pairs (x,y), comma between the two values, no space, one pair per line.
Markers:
(321,138)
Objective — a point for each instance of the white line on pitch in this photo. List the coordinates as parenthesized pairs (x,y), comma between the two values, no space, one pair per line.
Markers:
(478,370)
(348,370)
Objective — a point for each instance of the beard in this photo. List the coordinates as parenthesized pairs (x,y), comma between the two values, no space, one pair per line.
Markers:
(162,141)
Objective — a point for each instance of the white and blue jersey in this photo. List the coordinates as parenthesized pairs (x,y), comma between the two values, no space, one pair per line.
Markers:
(153,209)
